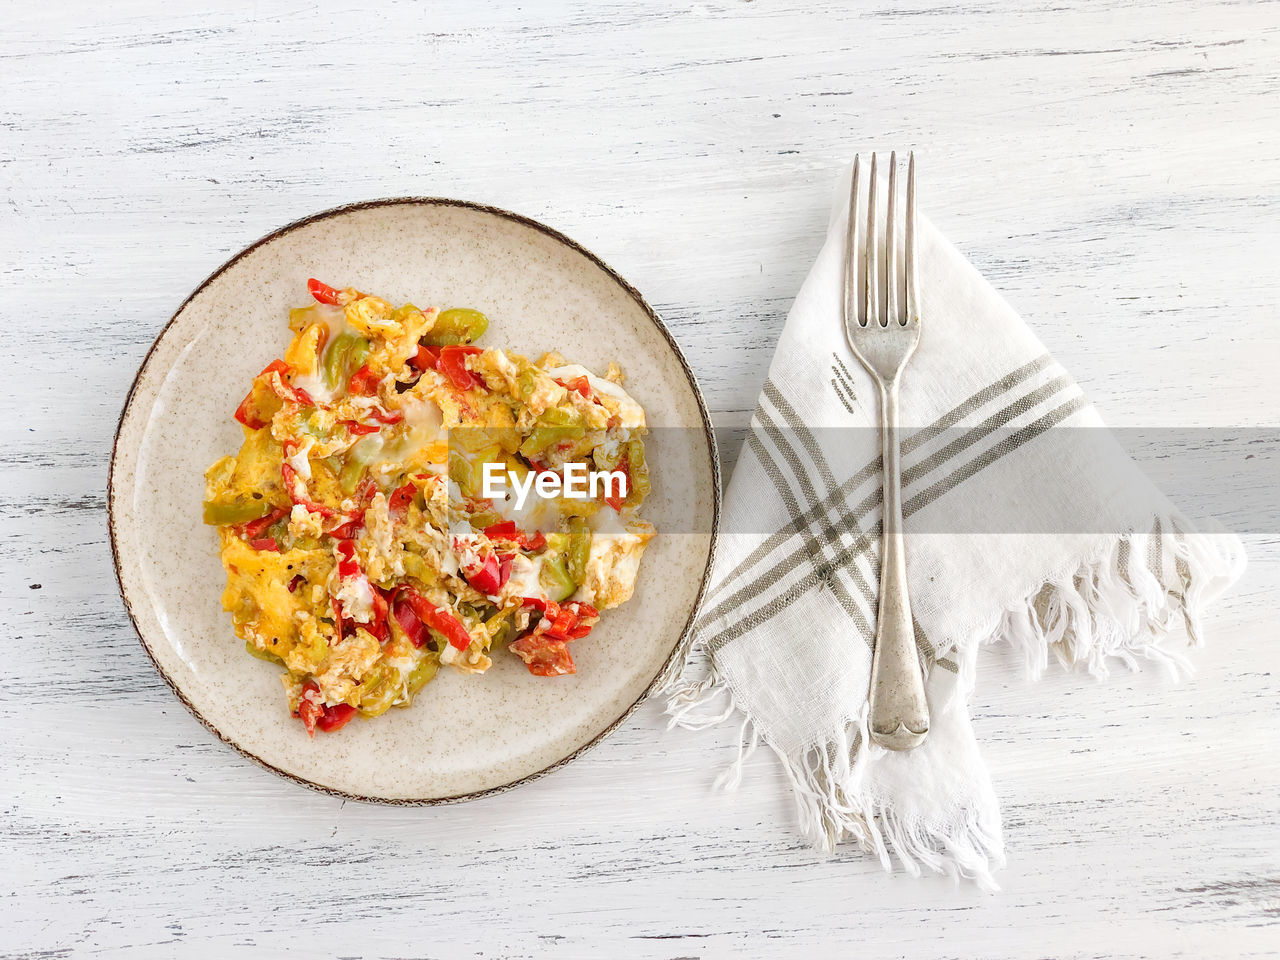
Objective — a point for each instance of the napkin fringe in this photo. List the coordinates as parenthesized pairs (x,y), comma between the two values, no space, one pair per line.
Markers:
(968,848)
(1114,608)
(830,801)
(1111,608)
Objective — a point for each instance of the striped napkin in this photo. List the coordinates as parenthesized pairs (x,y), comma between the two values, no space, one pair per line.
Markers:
(1025,523)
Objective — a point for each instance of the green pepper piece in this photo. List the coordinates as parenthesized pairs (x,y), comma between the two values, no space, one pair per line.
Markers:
(502,632)
(402,312)
(462,473)
(491,454)
(538,441)
(417,567)
(261,654)
(579,551)
(455,326)
(422,673)
(544,438)
(560,417)
(555,579)
(378,692)
(359,354)
(351,473)
(334,365)
(301,317)
(484,518)
(219,513)
(526,383)
(638,470)
(361,454)
(554,425)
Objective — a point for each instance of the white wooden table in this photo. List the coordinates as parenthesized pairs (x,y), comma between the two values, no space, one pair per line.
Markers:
(1113,167)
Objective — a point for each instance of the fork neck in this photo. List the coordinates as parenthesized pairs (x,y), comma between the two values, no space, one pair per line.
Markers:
(891,454)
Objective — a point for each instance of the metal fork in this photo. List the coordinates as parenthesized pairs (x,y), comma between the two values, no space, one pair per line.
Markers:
(882,323)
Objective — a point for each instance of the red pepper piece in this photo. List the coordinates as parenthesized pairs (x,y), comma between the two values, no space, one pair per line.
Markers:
(256,528)
(562,622)
(297,580)
(378,625)
(504,568)
(310,709)
(323,292)
(425,359)
(347,566)
(247,413)
(439,619)
(252,411)
(265,543)
(488,579)
(617,502)
(387,416)
(345,531)
(507,530)
(401,497)
(545,656)
(294,486)
(413,628)
(357,429)
(272,378)
(453,364)
(503,530)
(275,374)
(335,717)
(581,384)
(539,604)
(364,382)
(343,625)
(583,610)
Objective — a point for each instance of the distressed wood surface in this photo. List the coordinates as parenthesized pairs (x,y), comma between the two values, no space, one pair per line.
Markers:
(1113,167)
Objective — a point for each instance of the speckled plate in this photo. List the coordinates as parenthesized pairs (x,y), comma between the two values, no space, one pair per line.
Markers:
(465,735)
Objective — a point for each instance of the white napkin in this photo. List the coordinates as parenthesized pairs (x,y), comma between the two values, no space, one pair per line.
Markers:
(1025,523)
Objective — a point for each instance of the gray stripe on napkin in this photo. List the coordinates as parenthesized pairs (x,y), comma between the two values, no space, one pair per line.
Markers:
(802,430)
(991,455)
(913,442)
(848,521)
(982,397)
(851,521)
(816,551)
(983,430)
(827,534)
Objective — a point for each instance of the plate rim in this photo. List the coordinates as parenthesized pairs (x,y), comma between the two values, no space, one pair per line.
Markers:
(678,651)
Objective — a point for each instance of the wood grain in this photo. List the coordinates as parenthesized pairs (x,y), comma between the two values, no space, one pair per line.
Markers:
(1112,166)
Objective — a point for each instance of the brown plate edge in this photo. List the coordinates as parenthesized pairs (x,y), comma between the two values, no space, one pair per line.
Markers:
(678,651)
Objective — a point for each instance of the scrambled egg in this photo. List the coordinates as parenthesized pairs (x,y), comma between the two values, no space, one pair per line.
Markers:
(360,551)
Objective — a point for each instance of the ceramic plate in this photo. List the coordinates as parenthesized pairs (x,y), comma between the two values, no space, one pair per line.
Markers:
(464,735)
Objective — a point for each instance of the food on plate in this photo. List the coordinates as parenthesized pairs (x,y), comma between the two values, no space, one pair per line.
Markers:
(388,512)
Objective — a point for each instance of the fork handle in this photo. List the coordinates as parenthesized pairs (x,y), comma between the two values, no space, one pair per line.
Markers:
(899,709)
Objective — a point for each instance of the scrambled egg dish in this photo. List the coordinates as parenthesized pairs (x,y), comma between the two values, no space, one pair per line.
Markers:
(360,551)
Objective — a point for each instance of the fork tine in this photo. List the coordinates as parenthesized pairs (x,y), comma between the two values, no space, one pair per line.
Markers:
(911,293)
(872,270)
(854,297)
(890,279)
